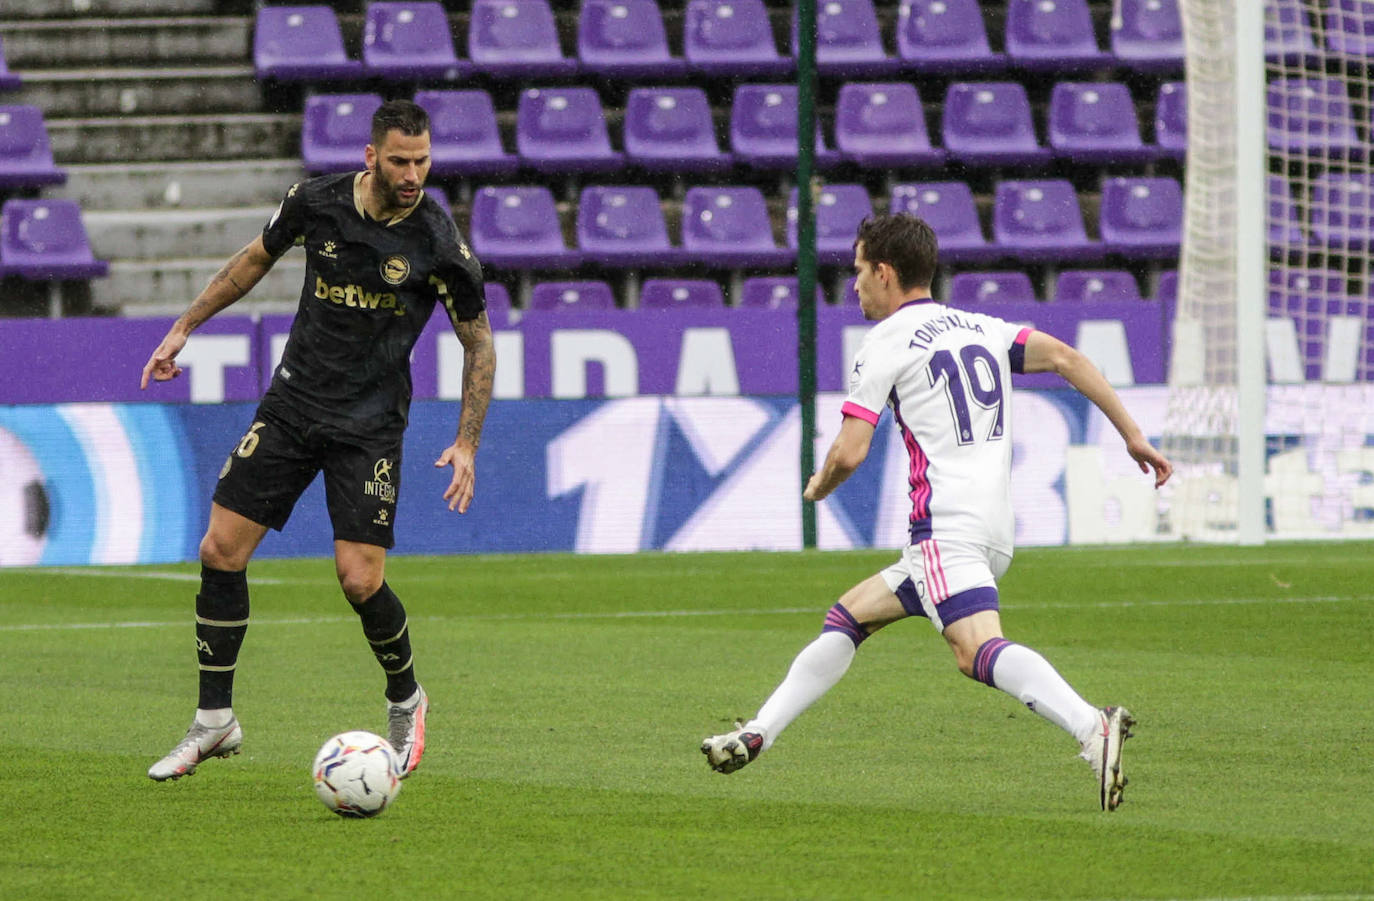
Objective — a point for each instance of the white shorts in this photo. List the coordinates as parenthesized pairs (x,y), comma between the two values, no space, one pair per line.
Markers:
(946,581)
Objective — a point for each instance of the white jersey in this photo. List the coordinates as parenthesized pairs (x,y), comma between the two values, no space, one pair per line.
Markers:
(946,374)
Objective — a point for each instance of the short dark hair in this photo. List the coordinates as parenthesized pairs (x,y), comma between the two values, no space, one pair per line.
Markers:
(408,118)
(903,241)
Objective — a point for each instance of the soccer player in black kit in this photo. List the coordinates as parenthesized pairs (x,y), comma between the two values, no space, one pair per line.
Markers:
(379,256)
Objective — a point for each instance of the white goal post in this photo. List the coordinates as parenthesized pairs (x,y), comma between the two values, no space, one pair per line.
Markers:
(1270,416)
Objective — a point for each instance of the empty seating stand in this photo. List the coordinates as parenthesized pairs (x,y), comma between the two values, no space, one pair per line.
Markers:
(1095,122)
(990,124)
(516,38)
(883,125)
(518,228)
(336,130)
(622,226)
(45,241)
(732,38)
(9,81)
(944,36)
(1141,217)
(1147,35)
(465,139)
(1313,116)
(838,210)
(968,289)
(848,40)
(1350,28)
(670,294)
(763,128)
(584,294)
(728,228)
(562,130)
(773,292)
(625,39)
(1171,120)
(671,129)
(1052,35)
(1040,220)
(410,40)
(1087,286)
(301,43)
(949,208)
(25,151)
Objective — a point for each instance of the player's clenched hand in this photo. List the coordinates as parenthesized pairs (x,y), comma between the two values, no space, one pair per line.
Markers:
(460,455)
(162,365)
(1148,458)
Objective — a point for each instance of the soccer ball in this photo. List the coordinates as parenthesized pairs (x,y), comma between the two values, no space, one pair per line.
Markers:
(356,774)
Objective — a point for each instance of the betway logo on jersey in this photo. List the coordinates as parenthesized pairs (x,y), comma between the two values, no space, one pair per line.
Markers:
(356,296)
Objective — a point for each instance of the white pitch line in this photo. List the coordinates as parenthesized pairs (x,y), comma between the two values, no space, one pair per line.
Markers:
(98,573)
(670,614)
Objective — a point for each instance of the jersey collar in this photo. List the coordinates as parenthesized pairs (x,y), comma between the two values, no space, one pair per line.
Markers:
(362,210)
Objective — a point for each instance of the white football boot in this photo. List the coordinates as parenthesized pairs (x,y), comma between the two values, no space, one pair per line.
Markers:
(201,742)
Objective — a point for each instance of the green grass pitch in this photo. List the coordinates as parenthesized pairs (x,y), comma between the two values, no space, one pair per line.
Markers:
(569,696)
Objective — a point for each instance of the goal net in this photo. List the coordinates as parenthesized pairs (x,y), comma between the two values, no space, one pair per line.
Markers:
(1270,417)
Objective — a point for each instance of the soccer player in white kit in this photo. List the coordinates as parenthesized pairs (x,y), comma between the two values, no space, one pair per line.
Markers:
(946,375)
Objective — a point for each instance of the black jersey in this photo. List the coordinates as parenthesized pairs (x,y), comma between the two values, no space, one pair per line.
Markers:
(370,286)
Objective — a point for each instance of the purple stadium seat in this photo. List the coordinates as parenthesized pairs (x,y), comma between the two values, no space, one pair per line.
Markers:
(968,289)
(1312,115)
(763,128)
(667,294)
(301,43)
(944,36)
(1142,217)
(1285,222)
(1040,220)
(336,130)
(622,226)
(1310,297)
(767,292)
(1094,122)
(516,38)
(1166,289)
(989,124)
(574,295)
(948,207)
(1082,285)
(498,303)
(1287,32)
(9,81)
(1342,210)
(1055,35)
(44,240)
(1350,28)
(1147,35)
(838,210)
(882,125)
(728,228)
(1171,119)
(732,37)
(848,41)
(464,136)
(671,129)
(625,39)
(518,228)
(564,130)
(410,40)
(439,196)
(25,152)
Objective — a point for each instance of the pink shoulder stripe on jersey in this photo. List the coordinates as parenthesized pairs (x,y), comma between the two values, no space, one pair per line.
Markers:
(852,409)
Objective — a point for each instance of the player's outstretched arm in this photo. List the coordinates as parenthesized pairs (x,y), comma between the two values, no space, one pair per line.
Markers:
(234,279)
(849,450)
(479,372)
(1046,353)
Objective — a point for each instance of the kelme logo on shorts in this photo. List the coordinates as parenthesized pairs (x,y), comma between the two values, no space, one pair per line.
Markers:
(356,296)
(395,268)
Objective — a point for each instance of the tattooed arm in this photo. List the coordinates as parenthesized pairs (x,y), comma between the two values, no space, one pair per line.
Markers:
(479,370)
(234,279)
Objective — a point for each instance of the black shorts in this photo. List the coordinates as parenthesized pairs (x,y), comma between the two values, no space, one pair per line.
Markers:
(277,459)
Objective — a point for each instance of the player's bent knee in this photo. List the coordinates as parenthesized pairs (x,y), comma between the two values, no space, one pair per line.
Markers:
(218,554)
(359,586)
(838,619)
